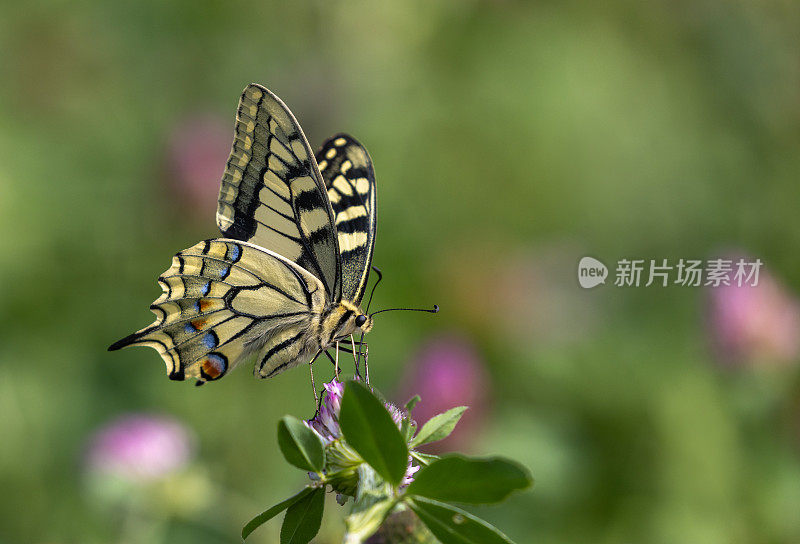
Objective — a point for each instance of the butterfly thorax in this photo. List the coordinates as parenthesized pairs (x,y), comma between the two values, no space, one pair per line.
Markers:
(339,320)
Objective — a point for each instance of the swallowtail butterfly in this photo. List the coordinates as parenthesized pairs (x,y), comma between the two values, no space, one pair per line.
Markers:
(287,277)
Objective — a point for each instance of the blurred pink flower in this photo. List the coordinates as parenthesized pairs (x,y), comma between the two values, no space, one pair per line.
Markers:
(754,324)
(197,151)
(140,448)
(448,372)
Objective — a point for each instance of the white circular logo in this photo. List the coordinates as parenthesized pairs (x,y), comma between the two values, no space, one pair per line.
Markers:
(591,272)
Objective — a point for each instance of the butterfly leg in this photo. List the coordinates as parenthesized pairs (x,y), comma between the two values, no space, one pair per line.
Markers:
(335,360)
(353,351)
(347,342)
(311,371)
(366,356)
(336,364)
(330,358)
(348,350)
(362,351)
(355,358)
(313,385)
(319,401)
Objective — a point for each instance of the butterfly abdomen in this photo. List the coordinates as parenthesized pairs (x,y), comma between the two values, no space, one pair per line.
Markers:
(285,349)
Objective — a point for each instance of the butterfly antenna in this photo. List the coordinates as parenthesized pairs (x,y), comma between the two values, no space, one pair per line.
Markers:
(435,310)
(380,277)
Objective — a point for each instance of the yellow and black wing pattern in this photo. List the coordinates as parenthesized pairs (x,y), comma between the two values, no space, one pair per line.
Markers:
(349,178)
(272,192)
(224,300)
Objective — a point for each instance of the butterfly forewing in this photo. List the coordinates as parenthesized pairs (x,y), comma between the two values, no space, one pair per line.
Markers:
(349,178)
(272,193)
(224,300)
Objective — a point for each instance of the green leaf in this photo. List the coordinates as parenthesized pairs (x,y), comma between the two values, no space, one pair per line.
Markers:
(300,445)
(303,519)
(438,427)
(368,428)
(364,523)
(407,429)
(412,402)
(267,515)
(452,525)
(424,459)
(373,502)
(458,478)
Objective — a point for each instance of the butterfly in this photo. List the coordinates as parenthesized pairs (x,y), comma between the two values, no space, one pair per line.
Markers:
(286,280)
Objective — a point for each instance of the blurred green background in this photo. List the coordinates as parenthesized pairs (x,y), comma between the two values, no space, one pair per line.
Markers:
(509,140)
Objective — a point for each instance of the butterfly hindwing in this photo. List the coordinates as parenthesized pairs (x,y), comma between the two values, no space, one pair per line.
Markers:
(272,193)
(349,178)
(224,300)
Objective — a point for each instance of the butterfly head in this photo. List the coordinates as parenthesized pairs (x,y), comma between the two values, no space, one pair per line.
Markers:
(358,321)
(363,322)
(344,319)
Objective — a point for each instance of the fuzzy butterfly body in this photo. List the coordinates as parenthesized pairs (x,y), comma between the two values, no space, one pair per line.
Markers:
(287,278)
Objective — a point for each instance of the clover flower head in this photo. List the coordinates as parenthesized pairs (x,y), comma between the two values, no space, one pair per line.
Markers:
(340,457)
(326,421)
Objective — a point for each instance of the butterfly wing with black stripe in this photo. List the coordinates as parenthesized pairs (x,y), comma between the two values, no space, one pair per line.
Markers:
(272,193)
(349,178)
(224,300)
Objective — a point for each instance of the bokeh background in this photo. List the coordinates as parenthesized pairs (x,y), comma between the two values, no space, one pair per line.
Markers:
(509,139)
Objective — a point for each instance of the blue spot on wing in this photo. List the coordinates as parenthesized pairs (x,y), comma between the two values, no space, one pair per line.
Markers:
(210,340)
(224,272)
(189,328)
(235,252)
(206,288)
(219,360)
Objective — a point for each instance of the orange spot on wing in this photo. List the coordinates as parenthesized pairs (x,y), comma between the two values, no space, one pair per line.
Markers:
(205,304)
(198,323)
(212,369)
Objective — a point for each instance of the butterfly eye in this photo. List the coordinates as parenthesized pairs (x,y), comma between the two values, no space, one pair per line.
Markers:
(360,320)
